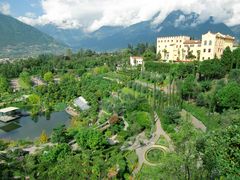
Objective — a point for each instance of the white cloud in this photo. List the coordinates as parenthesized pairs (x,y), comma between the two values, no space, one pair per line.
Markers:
(92,14)
(30,15)
(5,8)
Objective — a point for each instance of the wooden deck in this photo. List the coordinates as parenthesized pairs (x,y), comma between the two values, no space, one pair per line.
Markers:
(6,119)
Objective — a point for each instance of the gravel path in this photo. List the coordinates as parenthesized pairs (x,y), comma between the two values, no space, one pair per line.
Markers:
(140,151)
(195,122)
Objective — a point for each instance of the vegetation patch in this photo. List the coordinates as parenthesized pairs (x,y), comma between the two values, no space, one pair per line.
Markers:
(143,119)
(132,160)
(154,155)
(162,141)
(202,114)
(60,107)
(130,91)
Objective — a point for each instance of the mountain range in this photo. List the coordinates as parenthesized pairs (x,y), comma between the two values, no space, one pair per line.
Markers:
(18,39)
(21,40)
(109,38)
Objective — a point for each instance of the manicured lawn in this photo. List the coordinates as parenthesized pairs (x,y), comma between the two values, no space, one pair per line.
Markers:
(149,172)
(155,155)
(114,75)
(202,114)
(162,141)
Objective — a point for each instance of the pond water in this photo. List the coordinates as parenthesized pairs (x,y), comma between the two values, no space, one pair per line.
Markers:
(29,128)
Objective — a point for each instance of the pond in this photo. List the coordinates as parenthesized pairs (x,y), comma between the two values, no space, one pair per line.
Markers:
(29,128)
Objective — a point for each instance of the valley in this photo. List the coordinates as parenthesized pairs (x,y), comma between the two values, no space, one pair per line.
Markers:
(142,121)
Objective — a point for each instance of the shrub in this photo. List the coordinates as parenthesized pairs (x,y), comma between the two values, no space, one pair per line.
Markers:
(171,115)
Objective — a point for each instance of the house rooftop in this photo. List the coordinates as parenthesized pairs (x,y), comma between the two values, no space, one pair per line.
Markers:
(81,103)
(8,109)
(192,42)
(220,35)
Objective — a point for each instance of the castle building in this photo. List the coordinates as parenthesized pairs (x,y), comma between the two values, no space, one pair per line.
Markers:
(182,48)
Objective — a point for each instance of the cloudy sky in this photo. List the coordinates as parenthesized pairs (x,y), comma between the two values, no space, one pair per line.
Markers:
(92,14)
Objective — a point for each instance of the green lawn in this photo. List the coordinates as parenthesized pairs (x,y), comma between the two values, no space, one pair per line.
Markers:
(114,75)
(202,114)
(162,141)
(155,155)
(149,172)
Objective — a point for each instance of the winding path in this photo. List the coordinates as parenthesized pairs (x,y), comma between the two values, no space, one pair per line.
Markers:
(141,151)
(195,122)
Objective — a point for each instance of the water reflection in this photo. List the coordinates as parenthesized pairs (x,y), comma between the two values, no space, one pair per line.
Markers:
(31,127)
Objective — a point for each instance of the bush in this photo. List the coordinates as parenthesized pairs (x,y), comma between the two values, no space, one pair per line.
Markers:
(205,85)
(171,115)
(234,75)
(157,67)
(90,139)
(229,96)
(60,135)
(200,101)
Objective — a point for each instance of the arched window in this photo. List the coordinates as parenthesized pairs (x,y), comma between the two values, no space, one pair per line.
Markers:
(210,42)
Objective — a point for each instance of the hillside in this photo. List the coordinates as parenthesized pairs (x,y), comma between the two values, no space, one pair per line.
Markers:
(19,39)
(236,30)
(110,38)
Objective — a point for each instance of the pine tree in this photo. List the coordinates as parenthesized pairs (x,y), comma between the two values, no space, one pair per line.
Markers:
(227,59)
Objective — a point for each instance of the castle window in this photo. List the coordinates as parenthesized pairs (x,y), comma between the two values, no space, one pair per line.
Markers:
(209,50)
(210,43)
(204,50)
(205,43)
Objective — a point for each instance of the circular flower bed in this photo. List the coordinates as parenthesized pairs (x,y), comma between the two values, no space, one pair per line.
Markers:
(154,155)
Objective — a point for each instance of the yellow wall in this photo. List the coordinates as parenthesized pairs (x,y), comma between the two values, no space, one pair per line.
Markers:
(211,45)
(192,47)
(173,45)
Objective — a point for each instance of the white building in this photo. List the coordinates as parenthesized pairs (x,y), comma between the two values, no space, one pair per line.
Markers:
(182,48)
(136,60)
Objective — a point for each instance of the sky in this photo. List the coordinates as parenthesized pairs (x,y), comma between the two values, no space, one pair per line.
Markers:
(90,15)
